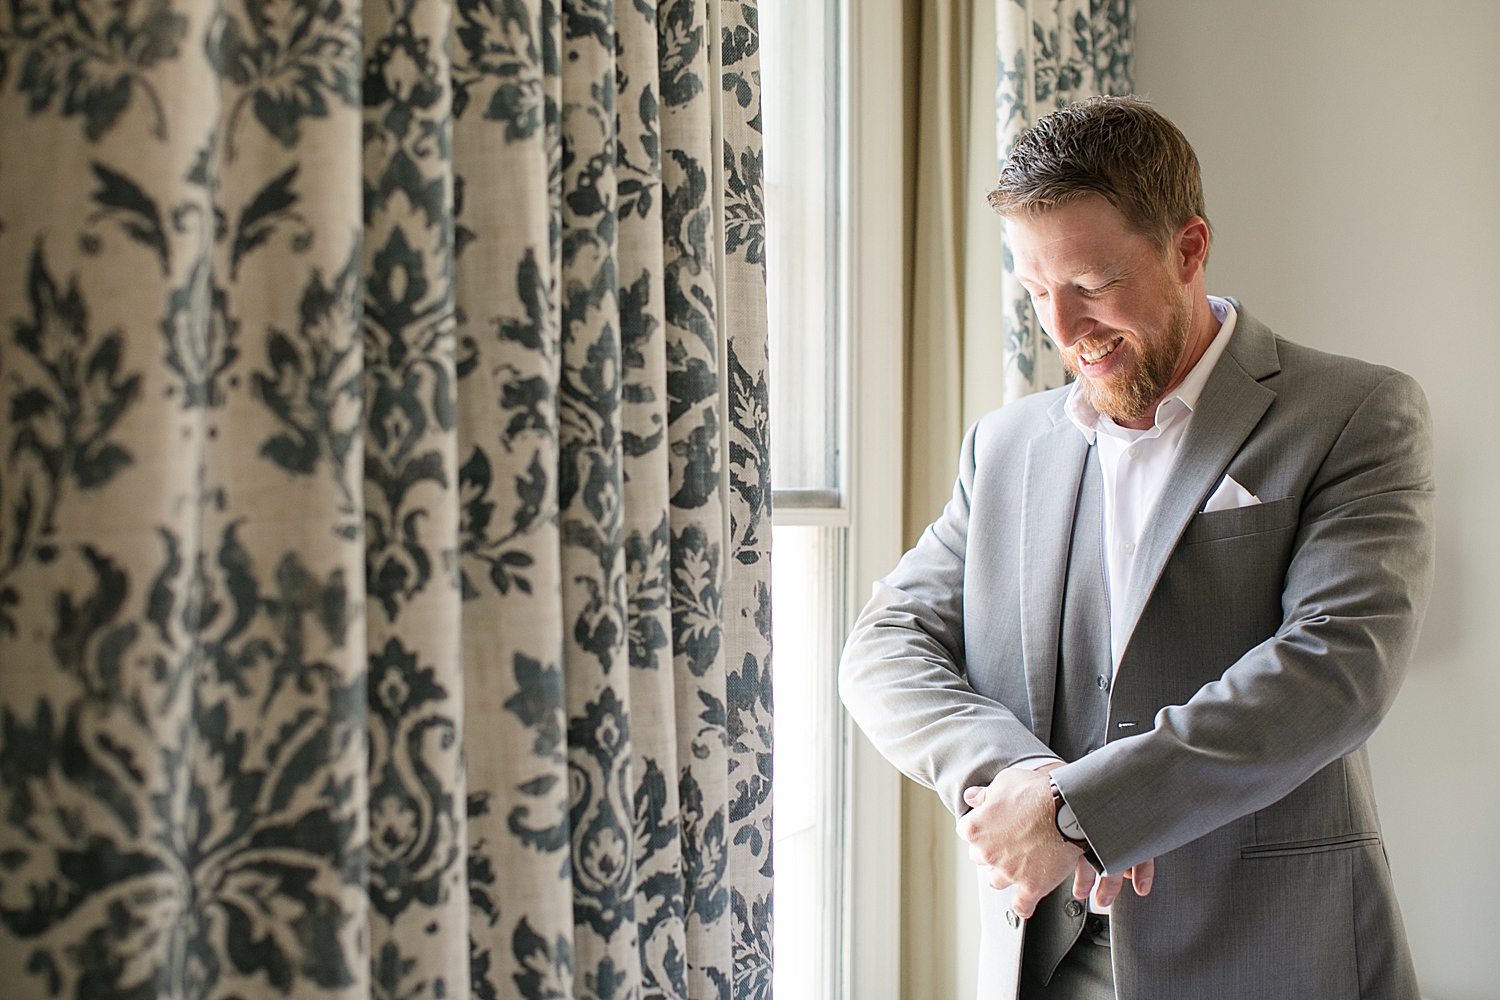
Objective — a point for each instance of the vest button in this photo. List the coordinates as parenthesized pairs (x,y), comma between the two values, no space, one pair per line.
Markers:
(1103,683)
(1074,909)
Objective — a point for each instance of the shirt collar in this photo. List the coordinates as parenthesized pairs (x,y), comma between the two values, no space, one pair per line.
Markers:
(1182,400)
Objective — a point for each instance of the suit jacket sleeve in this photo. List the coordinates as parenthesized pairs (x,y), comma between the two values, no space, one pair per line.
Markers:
(1355,592)
(902,677)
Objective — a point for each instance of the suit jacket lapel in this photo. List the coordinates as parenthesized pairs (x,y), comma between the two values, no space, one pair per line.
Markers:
(1232,403)
(1054,469)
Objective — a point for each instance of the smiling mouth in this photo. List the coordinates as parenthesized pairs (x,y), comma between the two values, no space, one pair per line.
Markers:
(1098,354)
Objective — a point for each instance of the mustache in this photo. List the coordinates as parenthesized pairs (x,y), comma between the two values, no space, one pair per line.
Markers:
(1072,357)
(1093,343)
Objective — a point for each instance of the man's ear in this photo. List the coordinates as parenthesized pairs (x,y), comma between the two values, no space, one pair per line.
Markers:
(1190,249)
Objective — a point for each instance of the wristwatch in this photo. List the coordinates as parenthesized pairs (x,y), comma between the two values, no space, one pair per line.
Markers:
(1067,826)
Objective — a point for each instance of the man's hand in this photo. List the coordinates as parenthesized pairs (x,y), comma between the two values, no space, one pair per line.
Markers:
(1107,887)
(1012,830)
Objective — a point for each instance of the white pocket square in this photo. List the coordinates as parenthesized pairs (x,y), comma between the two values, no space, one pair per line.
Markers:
(1230,495)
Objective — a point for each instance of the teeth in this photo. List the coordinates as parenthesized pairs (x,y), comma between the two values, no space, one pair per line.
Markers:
(1095,356)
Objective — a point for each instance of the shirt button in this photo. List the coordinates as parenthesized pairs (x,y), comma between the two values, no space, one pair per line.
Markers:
(1128,547)
(1134,452)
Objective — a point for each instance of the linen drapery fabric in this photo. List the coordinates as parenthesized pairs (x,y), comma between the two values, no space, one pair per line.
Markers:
(1051,54)
(954,343)
(935,342)
(384,500)
(937,349)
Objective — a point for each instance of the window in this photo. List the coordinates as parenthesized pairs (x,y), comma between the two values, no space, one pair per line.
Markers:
(807,571)
(800,105)
(831,97)
(800,110)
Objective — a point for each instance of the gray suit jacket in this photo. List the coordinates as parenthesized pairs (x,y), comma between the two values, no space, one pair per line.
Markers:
(1268,642)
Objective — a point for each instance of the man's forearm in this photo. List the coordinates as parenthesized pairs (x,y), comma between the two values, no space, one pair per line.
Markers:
(926,718)
(919,713)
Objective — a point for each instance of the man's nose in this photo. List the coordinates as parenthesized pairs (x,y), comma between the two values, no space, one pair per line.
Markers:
(1068,319)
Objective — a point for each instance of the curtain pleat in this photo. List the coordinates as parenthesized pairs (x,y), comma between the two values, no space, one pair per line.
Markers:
(658,903)
(747,591)
(419,914)
(371,624)
(696,520)
(935,348)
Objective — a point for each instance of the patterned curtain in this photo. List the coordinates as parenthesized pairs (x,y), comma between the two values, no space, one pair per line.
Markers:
(384,500)
(1051,53)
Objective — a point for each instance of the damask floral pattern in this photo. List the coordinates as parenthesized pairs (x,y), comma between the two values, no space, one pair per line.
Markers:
(384,602)
(1051,53)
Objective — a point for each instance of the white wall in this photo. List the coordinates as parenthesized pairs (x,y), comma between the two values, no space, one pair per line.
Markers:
(1351,155)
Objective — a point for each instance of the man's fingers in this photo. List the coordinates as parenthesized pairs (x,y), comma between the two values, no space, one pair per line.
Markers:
(1025,902)
(1083,879)
(974,798)
(995,879)
(1141,876)
(1108,888)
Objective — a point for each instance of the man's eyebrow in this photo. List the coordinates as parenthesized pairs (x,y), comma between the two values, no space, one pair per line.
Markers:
(1111,272)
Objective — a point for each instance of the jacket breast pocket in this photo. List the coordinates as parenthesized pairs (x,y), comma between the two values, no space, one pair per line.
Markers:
(1275,515)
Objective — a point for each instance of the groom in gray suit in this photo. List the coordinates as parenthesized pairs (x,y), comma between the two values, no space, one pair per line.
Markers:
(1163,612)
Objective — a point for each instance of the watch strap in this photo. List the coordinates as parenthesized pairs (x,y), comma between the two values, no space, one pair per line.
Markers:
(1069,830)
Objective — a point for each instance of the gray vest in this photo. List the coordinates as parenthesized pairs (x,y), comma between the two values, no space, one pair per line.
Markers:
(1080,710)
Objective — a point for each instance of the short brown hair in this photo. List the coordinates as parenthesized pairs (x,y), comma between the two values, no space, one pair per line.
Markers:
(1118,147)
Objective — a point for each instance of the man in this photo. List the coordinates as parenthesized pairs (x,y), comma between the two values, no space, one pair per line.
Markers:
(1161,615)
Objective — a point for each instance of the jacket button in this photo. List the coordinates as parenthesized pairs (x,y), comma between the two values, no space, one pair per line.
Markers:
(1103,683)
(1012,919)
(1074,908)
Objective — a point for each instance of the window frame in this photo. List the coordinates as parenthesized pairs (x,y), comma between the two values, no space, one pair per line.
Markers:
(863,827)
(875,311)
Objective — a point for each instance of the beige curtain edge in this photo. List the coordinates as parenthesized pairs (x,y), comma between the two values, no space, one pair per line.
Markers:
(954,358)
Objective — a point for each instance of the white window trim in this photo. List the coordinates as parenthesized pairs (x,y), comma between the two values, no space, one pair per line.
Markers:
(871,318)
(874,313)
